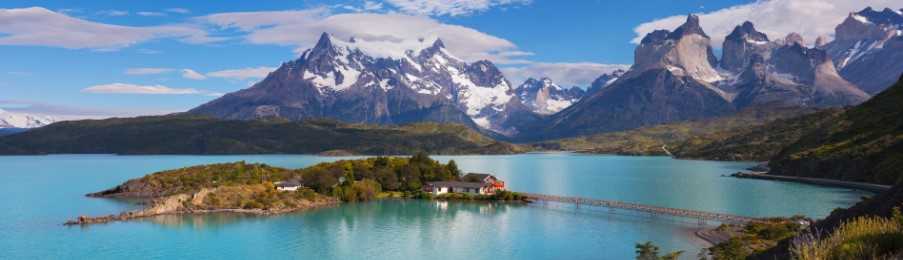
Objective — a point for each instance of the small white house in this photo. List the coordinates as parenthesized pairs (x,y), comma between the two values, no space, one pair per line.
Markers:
(289,185)
(473,183)
(442,187)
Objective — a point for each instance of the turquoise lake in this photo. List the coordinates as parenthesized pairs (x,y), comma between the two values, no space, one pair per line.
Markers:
(41,192)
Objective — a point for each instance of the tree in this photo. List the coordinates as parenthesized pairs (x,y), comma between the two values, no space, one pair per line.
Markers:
(647,251)
(453,170)
(381,162)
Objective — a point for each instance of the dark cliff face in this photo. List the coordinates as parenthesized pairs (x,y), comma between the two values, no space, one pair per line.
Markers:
(741,45)
(788,75)
(672,80)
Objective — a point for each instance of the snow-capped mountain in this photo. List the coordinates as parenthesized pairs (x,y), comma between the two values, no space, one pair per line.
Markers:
(335,79)
(545,97)
(868,48)
(605,80)
(783,73)
(676,77)
(19,120)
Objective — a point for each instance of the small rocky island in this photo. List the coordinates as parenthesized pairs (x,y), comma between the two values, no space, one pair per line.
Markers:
(261,189)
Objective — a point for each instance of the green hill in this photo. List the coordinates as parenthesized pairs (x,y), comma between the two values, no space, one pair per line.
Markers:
(684,139)
(865,143)
(182,134)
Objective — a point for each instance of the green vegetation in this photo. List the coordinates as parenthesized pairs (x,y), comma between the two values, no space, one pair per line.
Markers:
(754,237)
(866,237)
(683,139)
(758,143)
(184,134)
(255,196)
(865,144)
(241,185)
(649,251)
(193,179)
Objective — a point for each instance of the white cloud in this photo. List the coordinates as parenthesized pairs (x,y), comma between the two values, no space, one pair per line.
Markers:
(191,74)
(564,74)
(148,13)
(777,18)
(450,7)
(125,88)
(376,34)
(147,71)
(42,27)
(113,13)
(178,10)
(372,6)
(242,74)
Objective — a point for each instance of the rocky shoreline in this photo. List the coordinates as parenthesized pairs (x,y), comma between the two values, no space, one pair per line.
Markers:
(176,205)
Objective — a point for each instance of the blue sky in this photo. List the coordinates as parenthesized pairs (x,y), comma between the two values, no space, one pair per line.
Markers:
(104,58)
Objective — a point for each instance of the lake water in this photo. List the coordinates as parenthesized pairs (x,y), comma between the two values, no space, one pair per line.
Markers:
(41,192)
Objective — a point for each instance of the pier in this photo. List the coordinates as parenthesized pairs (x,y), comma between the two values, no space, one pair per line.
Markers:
(702,216)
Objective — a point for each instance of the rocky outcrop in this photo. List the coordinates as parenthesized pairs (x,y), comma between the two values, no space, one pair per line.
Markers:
(742,45)
(868,48)
(672,79)
(189,204)
(685,52)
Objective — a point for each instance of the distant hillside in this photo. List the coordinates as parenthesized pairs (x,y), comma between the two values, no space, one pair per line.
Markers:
(752,142)
(201,135)
(864,143)
(9,131)
(684,139)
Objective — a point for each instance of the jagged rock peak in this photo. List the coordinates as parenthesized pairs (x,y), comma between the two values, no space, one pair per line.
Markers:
(325,41)
(604,80)
(740,44)
(438,43)
(884,17)
(747,31)
(691,26)
(437,47)
(794,38)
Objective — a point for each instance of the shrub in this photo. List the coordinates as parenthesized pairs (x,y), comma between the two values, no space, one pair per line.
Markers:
(861,238)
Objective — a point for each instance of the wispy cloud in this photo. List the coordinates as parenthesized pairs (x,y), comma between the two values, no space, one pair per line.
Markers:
(113,13)
(178,10)
(450,7)
(777,18)
(147,71)
(384,35)
(149,13)
(41,27)
(191,74)
(125,88)
(565,74)
(242,74)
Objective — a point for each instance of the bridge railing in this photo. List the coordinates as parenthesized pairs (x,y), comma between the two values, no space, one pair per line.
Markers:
(687,213)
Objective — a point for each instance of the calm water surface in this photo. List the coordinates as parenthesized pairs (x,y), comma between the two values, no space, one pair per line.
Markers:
(40,192)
